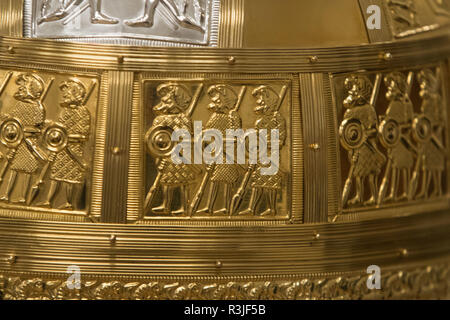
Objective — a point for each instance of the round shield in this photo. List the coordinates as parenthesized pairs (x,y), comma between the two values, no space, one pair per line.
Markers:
(352,134)
(11,133)
(422,128)
(159,141)
(55,138)
(390,133)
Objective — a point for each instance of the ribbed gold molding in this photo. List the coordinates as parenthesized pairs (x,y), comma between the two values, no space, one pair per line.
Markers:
(11,18)
(231,24)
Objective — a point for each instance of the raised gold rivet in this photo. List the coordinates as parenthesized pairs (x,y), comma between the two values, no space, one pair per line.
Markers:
(313,59)
(112,238)
(115,150)
(316,236)
(219,264)
(404,253)
(386,56)
(11,259)
(231,60)
(11,50)
(314,146)
(120,59)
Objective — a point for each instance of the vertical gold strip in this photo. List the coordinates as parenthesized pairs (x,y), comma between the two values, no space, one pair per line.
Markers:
(231,24)
(135,182)
(297,155)
(99,156)
(11,18)
(333,149)
(316,151)
(117,147)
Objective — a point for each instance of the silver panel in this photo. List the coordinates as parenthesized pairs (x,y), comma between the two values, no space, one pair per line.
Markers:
(174,23)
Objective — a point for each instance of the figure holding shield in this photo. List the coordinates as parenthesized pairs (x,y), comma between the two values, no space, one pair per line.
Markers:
(395,131)
(65,140)
(173,113)
(19,132)
(358,133)
(428,129)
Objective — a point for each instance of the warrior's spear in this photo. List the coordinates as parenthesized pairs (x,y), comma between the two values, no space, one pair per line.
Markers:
(152,192)
(384,183)
(198,196)
(36,186)
(237,198)
(415,177)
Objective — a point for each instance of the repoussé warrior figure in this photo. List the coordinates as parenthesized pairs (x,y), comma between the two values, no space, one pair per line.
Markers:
(66,142)
(67,7)
(24,125)
(269,118)
(180,14)
(175,100)
(359,136)
(224,116)
(432,150)
(396,136)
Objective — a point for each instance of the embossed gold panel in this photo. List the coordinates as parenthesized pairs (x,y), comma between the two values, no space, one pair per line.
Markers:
(48,123)
(221,191)
(393,131)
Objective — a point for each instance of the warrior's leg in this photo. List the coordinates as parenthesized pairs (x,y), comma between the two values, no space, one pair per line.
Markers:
(97,16)
(405,175)
(182,19)
(394,184)
(359,187)
(439,183)
(58,14)
(373,191)
(147,19)
(167,199)
(211,198)
(426,178)
(436,184)
(184,200)
(9,186)
(51,193)
(227,196)
(272,201)
(254,200)
(24,190)
(69,195)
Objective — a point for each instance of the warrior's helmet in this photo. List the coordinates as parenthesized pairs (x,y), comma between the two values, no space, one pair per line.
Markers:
(223,98)
(175,98)
(396,84)
(73,92)
(31,87)
(267,100)
(429,82)
(359,90)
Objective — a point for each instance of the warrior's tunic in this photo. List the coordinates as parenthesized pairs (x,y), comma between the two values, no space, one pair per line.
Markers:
(67,167)
(226,173)
(174,174)
(30,114)
(273,121)
(402,113)
(433,157)
(367,159)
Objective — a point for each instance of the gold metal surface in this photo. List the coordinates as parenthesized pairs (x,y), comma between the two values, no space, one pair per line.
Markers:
(87,177)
